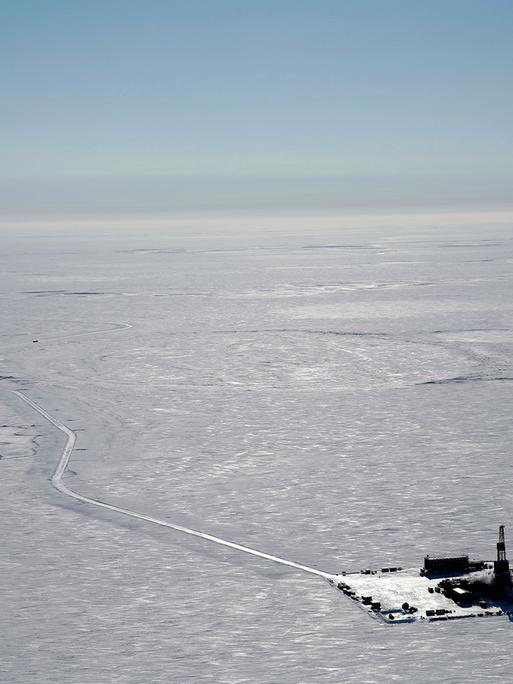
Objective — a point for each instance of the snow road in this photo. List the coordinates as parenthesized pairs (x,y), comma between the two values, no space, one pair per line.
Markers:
(58,483)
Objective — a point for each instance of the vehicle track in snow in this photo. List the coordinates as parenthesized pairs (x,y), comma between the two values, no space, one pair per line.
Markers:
(59,484)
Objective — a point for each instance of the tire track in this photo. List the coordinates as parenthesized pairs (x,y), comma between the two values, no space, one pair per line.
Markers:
(58,483)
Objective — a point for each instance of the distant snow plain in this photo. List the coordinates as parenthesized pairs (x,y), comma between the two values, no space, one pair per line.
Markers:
(342,398)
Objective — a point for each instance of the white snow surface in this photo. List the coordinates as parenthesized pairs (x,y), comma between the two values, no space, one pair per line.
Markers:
(340,400)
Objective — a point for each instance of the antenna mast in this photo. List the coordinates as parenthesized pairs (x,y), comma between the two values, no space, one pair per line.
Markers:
(501,565)
(501,545)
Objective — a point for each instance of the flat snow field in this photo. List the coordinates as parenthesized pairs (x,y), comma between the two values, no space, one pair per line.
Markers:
(339,398)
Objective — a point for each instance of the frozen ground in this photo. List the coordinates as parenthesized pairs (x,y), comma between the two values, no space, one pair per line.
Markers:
(341,399)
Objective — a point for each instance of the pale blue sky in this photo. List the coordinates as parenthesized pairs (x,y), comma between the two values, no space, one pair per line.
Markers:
(163,105)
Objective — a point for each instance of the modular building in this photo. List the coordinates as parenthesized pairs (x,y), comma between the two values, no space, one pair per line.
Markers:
(461,596)
(446,565)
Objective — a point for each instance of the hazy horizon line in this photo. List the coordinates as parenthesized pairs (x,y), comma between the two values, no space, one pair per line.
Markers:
(264,222)
(89,196)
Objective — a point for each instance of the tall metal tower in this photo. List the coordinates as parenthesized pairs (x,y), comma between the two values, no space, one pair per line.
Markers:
(501,565)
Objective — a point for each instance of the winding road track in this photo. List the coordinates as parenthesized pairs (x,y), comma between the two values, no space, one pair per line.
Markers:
(58,483)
